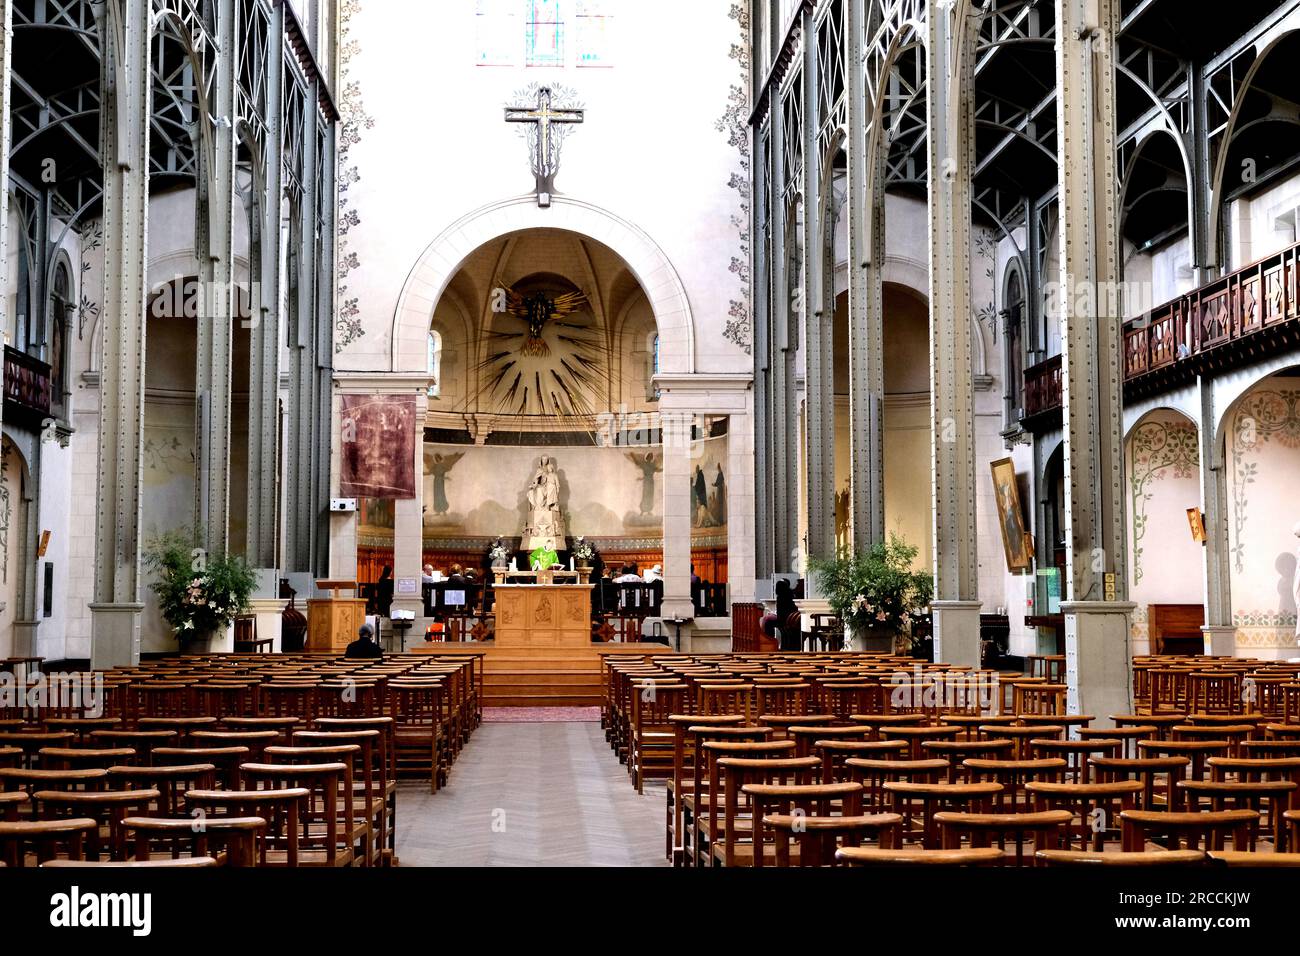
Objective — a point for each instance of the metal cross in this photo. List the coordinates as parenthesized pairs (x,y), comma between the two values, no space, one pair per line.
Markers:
(544,142)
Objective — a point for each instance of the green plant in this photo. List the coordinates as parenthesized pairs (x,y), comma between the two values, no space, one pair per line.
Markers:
(197,593)
(876,588)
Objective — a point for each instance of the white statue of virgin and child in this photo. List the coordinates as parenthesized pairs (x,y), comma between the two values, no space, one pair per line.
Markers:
(545,520)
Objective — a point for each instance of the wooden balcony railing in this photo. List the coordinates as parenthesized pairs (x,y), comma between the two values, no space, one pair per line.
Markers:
(1255,298)
(1217,325)
(27,387)
(1043,387)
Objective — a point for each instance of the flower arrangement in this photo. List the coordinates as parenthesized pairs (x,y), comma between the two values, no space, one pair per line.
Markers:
(198,594)
(583,550)
(877,589)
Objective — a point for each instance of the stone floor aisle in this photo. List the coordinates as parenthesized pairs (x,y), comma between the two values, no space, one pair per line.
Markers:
(542,794)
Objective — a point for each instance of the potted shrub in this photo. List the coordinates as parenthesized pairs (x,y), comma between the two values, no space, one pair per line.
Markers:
(876,594)
(199,595)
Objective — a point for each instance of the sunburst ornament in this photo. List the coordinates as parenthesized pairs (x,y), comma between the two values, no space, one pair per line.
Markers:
(551,364)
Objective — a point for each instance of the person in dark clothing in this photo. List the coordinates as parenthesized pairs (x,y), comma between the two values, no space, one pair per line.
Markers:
(364,646)
(384,592)
(787,619)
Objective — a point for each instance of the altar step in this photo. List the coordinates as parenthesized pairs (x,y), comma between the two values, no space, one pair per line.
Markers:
(554,687)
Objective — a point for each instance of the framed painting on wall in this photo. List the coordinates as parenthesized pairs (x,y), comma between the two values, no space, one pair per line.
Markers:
(1011,517)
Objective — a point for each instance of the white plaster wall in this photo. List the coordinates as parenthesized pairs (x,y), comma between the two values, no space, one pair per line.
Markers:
(648,152)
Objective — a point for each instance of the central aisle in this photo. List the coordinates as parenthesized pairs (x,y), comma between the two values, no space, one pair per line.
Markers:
(541,794)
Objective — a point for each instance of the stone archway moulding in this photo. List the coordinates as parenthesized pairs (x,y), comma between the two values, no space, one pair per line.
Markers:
(445,255)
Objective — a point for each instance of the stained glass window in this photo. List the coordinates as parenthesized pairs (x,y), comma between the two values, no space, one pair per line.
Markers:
(545,33)
(496,26)
(594,28)
(435,364)
(654,368)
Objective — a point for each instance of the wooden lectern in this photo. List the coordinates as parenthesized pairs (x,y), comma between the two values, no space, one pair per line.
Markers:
(332,622)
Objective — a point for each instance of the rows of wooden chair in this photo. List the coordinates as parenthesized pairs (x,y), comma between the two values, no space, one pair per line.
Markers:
(239,761)
(1217,685)
(823,759)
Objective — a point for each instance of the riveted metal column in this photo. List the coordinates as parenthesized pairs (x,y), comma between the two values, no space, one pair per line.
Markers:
(866,303)
(950,42)
(1220,633)
(125,84)
(1098,661)
(264,340)
(301,514)
(819,382)
(784,346)
(215,339)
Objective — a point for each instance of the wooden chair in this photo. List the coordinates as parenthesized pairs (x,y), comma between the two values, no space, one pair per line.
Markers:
(820,838)
(781,700)
(1139,859)
(1270,860)
(1127,736)
(1159,777)
(1076,753)
(922,801)
(1197,751)
(807,738)
(225,760)
(282,810)
(873,773)
(373,785)
(651,734)
(834,753)
(1048,699)
(1014,776)
(330,833)
(734,826)
(1214,692)
(11,802)
(1023,736)
(685,756)
(185,863)
(1163,723)
(31,744)
(229,841)
(82,727)
(183,726)
(106,807)
(1095,806)
(801,801)
(916,856)
(29,842)
(726,699)
(704,804)
(957,751)
(980,829)
(171,783)
(916,735)
(1265,798)
(1211,829)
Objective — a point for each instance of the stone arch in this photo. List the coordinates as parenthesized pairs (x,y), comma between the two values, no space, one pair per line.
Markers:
(439,262)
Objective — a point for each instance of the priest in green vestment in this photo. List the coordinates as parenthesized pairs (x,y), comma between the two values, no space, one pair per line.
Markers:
(541,559)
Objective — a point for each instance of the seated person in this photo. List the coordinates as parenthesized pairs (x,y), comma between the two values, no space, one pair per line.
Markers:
(437,630)
(654,574)
(431,576)
(628,576)
(364,646)
(457,576)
